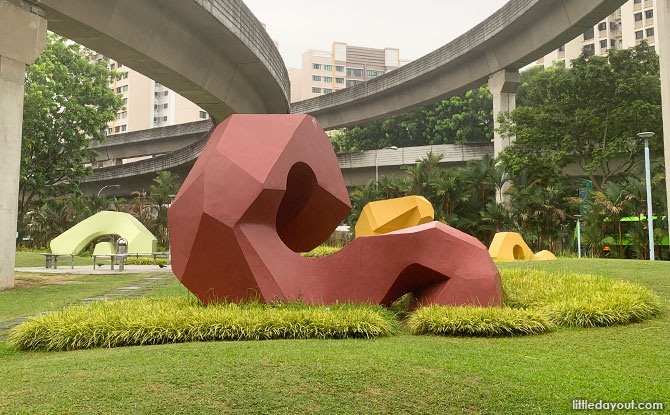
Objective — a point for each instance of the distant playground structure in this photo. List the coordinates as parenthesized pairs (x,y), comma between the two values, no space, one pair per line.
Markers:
(121,224)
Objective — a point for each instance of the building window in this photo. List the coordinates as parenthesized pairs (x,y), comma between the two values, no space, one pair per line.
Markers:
(316,66)
(562,49)
(120,89)
(203,114)
(637,2)
(339,80)
(165,119)
(358,73)
(125,102)
(613,43)
(349,71)
(327,90)
(327,79)
(372,73)
(649,14)
(316,77)
(120,65)
(652,49)
(639,35)
(339,68)
(120,128)
(316,90)
(109,130)
(380,73)
(638,16)
(165,107)
(166,94)
(589,50)
(112,66)
(589,34)
(327,67)
(650,32)
(353,82)
(603,44)
(602,26)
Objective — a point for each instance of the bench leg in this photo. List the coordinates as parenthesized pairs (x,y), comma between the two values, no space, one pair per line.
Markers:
(112,263)
(48,262)
(72,261)
(121,263)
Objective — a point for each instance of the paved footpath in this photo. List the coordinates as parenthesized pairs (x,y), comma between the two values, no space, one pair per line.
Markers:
(134,289)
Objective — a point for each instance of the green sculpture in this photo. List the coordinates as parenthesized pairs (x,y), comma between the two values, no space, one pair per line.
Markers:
(72,241)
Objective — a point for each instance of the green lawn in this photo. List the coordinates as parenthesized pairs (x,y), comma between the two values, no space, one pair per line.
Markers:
(395,375)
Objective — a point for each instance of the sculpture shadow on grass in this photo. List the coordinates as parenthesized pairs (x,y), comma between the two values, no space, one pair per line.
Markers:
(267,187)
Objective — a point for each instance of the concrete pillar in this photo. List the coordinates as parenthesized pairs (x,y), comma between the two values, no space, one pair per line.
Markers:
(503,85)
(663,49)
(22,39)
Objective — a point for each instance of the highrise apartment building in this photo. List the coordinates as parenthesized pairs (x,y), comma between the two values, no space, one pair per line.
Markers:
(323,72)
(147,104)
(626,27)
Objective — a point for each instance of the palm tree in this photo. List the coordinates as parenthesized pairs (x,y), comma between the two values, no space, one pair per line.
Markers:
(614,200)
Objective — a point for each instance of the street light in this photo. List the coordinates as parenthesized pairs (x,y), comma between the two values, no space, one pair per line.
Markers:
(647,178)
(377,160)
(104,187)
(579,238)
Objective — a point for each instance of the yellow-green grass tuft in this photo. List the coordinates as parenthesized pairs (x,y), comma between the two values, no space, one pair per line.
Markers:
(182,319)
(477,321)
(144,261)
(320,251)
(538,301)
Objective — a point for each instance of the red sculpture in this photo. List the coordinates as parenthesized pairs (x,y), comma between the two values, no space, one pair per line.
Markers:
(268,186)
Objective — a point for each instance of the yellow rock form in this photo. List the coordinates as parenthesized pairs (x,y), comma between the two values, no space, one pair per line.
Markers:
(509,246)
(544,256)
(386,216)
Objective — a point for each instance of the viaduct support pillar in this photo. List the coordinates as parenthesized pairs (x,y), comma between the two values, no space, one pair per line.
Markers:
(663,44)
(22,39)
(503,85)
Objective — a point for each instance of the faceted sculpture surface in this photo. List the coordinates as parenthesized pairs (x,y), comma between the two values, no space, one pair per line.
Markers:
(390,215)
(267,187)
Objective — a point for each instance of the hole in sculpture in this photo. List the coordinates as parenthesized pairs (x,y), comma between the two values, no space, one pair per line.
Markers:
(517,251)
(294,215)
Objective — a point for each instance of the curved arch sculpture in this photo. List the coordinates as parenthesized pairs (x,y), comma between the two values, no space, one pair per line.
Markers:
(72,241)
(269,186)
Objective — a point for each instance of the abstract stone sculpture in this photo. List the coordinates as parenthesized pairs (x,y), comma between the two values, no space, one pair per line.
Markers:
(386,216)
(269,186)
(544,256)
(125,225)
(508,246)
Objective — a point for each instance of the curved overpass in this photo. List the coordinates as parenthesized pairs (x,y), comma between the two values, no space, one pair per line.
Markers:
(213,52)
(519,33)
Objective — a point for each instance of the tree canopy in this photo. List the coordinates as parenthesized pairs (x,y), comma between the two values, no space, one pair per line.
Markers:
(588,115)
(68,102)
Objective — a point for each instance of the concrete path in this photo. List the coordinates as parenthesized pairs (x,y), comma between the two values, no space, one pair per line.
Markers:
(88,269)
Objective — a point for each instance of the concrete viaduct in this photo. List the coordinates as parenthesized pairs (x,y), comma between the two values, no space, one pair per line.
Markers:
(216,53)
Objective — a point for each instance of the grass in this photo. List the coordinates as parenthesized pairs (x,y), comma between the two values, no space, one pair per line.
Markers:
(181,319)
(538,301)
(387,375)
(35,293)
(321,251)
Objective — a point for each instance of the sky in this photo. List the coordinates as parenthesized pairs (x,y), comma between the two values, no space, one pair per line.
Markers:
(416,27)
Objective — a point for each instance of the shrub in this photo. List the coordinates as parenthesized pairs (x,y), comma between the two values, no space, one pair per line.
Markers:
(579,300)
(144,261)
(183,319)
(321,251)
(537,301)
(477,321)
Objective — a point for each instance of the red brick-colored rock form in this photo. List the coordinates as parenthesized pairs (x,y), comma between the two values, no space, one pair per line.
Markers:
(268,186)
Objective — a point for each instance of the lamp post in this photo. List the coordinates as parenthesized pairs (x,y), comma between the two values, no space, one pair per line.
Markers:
(647,178)
(104,187)
(377,161)
(579,238)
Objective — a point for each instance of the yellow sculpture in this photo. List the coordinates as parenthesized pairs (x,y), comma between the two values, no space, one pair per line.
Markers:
(386,216)
(509,246)
(544,256)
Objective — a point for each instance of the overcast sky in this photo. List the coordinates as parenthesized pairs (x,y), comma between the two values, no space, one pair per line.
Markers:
(416,27)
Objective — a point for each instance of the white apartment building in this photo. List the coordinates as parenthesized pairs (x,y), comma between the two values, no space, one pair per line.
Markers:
(323,72)
(147,104)
(626,27)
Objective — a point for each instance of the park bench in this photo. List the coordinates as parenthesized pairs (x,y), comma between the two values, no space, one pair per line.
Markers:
(52,259)
(121,258)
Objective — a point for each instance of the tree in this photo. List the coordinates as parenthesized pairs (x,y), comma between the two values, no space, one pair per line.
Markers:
(460,119)
(589,114)
(165,189)
(68,103)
